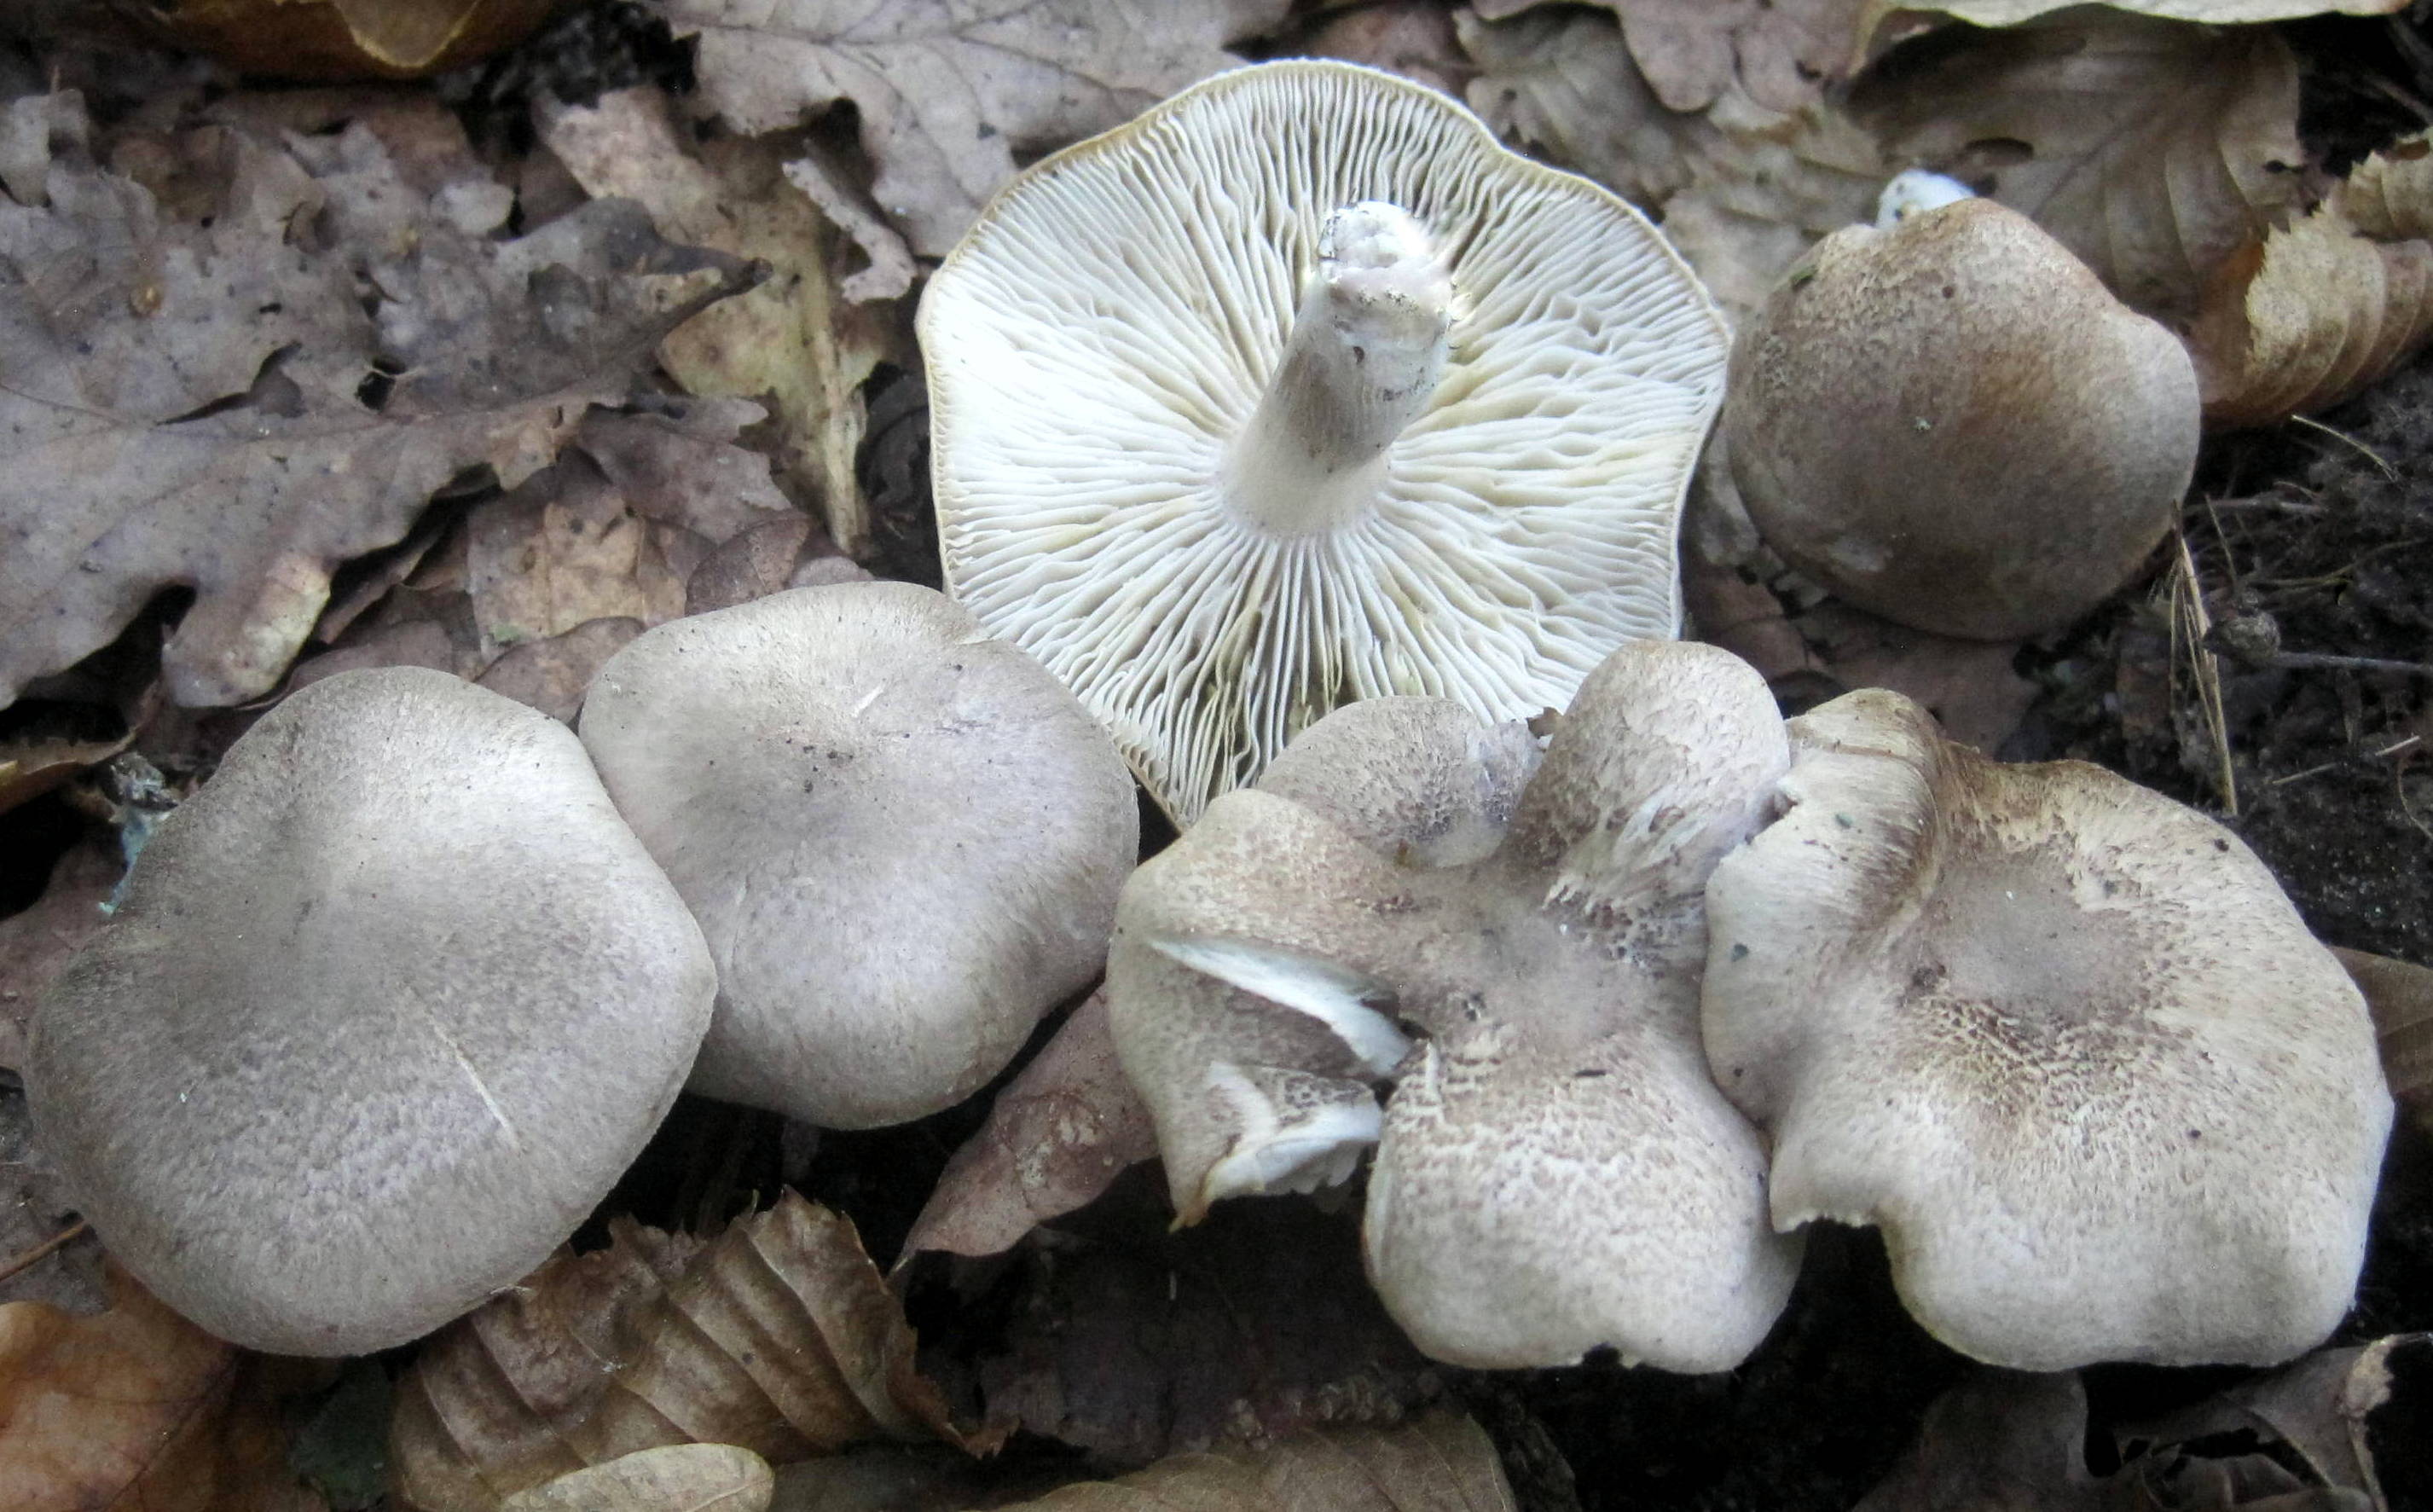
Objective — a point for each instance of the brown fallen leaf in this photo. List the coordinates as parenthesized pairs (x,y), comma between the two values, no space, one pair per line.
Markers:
(1057,1136)
(2401,997)
(1969,685)
(2203,13)
(949,90)
(207,402)
(2152,148)
(551,675)
(795,340)
(349,39)
(2000,1442)
(135,1407)
(36,943)
(33,765)
(1743,190)
(1413,38)
(1780,53)
(673,1478)
(2315,1412)
(1441,1463)
(779,1336)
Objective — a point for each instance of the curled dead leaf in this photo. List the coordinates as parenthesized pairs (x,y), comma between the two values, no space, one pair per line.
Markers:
(136,1407)
(673,1478)
(2152,148)
(1057,1136)
(349,39)
(1443,1463)
(778,1336)
(2401,997)
(1781,53)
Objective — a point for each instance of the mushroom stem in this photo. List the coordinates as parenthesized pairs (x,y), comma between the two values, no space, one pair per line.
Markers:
(1362,364)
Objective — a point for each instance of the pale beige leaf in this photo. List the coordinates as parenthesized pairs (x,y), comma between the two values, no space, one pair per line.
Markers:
(2390,196)
(2401,995)
(1442,1463)
(205,403)
(1742,190)
(673,1478)
(2152,148)
(778,1336)
(2313,315)
(794,342)
(2205,12)
(949,90)
(1780,53)
(1057,1135)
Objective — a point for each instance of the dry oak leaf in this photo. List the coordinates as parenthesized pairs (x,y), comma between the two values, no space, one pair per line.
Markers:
(673,1478)
(349,39)
(135,1408)
(1441,1463)
(1743,190)
(795,341)
(2319,310)
(950,90)
(208,404)
(1056,1137)
(779,1336)
(2400,995)
(1780,53)
(2203,13)
(2153,149)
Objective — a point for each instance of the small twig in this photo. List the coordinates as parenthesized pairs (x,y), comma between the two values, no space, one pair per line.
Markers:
(2191,624)
(2370,453)
(43,1251)
(2352,664)
(2278,506)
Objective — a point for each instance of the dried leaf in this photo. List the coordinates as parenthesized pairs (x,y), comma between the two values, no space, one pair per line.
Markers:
(795,339)
(1413,38)
(134,1407)
(551,675)
(2315,1411)
(779,1336)
(949,90)
(1056,1137)
(1743,190)
(36,1208)
(349,39)
(36,943)
(1969,685)
(2000,1442)
(1780,53)
(2204,12)
(2401,997)
(675,1478)
(33,765)
(2325,308)
(1442,1463)
(189,398)
(2152,148)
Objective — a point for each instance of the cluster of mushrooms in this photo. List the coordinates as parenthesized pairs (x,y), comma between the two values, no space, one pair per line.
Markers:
(1341,445)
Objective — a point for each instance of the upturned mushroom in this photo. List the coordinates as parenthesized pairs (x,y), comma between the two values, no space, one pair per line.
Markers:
(1950,422)
(386,1009)
(902,838)
(1299,390)
(2063,1039)
(1555,1170)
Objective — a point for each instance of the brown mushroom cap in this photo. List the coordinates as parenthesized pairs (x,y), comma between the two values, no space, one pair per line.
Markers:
(2063,1040)
(1953,423)
(902,839)
(387,1007)
(1555,1170)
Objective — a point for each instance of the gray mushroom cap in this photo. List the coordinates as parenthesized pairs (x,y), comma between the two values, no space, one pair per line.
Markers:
(903,840)
(2062,1039)
(1555,1170)
(387,1007)
(1301,389)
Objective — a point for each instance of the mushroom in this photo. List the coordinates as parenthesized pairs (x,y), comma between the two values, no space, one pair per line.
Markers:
(2062,1039)
(1297,390)
(1555,1170)
(386,1008)
(1950,422)
(902,838)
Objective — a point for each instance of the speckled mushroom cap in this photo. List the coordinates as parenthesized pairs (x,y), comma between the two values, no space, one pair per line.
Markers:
(1555,1170)
(1299,390)
(1951,422)
(902,838)
(388,1007)
(2062,1039)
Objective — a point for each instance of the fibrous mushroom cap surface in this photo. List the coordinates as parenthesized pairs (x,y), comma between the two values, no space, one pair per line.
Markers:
(388,1006)
(1104,334)
(903,840)
(1951,422)
(2062,1038)
(1555,1171)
